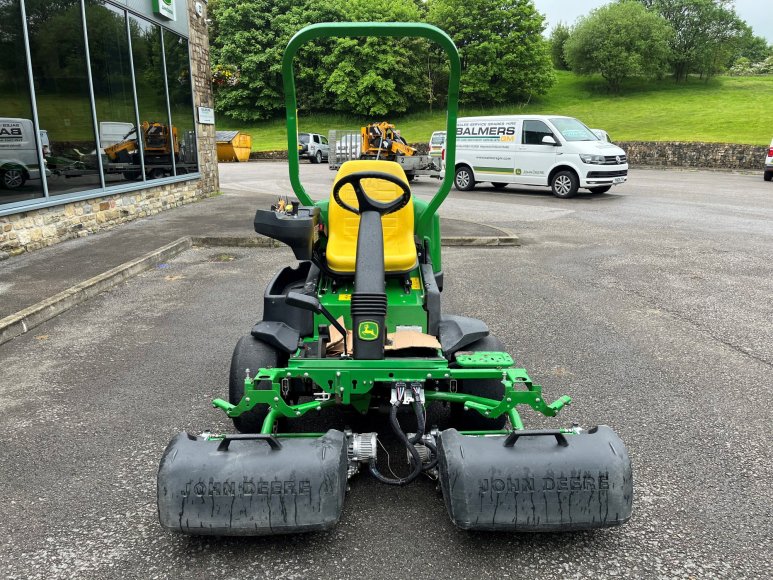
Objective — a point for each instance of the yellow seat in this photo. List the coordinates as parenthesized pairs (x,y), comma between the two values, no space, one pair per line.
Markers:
(343,225)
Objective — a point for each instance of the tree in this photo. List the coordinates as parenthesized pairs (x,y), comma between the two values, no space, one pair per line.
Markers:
(754,48)
(619,41)
(719,40)
(703,29)
(558,38)
(249,36)
(375,76)
(504,56)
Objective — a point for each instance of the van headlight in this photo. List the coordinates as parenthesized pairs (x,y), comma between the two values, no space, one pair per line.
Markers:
(592,159)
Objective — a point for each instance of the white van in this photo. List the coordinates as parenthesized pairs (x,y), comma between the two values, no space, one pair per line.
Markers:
(112,132)
(541,150)
(18,152)
(436,143)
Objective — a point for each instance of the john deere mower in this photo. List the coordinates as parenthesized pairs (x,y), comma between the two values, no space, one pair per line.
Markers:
(357,323)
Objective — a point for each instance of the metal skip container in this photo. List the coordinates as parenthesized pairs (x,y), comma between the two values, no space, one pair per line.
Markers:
(233,146)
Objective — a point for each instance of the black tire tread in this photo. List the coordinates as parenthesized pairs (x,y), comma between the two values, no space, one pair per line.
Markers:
(252,354)
(491,388)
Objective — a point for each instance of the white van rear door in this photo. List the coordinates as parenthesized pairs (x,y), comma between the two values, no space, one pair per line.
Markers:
(534,159)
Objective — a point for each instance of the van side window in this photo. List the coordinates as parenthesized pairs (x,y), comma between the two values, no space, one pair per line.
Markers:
(324,140)
(534,131)
(316,138)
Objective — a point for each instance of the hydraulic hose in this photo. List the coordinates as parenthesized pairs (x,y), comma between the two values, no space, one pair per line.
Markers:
(420,425)
(417,465)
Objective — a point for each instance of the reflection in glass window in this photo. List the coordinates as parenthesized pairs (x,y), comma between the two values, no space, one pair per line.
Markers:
(151,97)
(178,75)
(62,92)
(113,97)
(573,130)
(19,163)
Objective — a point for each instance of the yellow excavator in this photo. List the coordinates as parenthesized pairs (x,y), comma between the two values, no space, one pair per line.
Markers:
(383,141)
(155,142)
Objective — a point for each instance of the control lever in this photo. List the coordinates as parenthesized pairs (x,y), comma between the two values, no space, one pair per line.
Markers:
(306,302)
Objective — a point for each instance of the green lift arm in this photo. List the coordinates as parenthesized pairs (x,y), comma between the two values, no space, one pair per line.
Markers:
(353,29)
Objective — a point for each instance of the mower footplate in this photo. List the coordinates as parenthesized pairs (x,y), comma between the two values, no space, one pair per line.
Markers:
(252,485)
(536,481)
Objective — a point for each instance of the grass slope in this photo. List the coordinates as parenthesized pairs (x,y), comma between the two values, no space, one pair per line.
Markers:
(724,110)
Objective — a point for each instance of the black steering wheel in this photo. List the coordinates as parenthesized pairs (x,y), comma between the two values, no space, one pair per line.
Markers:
(365,202)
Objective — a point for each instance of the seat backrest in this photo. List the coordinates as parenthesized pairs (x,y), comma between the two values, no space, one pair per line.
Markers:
(343,225)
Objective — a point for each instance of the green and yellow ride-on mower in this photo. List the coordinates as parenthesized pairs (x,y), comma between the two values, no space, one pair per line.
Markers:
(357,322)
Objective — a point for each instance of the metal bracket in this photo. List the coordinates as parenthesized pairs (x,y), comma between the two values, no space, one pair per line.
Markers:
(402,394)
(285,387)
(322,396)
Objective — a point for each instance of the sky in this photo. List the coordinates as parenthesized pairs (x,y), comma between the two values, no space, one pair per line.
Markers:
(757,13)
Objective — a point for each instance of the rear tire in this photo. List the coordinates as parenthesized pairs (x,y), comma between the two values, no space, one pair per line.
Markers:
(252,354)
(565,184)
(12,178)
(768,175)
(491,388)
(464,180)
(602,189)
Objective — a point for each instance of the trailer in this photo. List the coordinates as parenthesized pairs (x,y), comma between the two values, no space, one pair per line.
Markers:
(346,145)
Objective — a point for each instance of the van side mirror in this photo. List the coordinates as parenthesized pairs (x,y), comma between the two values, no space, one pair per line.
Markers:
(549,140)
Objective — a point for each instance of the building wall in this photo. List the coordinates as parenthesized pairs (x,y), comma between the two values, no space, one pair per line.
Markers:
(31,230)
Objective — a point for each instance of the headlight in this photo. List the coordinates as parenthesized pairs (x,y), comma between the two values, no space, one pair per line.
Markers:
(592,159)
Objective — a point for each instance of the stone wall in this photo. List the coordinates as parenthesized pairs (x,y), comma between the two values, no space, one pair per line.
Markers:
(694,155)
(35,229)
(654,154)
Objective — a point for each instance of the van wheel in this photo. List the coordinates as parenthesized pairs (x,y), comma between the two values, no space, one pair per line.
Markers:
(602,189)
(768,175)
(318,157)
(498,185)
(13,178)
(565,184)
(464,179)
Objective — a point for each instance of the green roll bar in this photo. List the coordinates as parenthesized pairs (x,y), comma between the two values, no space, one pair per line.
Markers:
(350,29)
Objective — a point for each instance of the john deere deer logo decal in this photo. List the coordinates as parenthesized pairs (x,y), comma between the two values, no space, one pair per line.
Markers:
(368,330)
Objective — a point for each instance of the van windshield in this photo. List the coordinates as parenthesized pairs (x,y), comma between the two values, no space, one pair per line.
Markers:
(438,139)
(573,130)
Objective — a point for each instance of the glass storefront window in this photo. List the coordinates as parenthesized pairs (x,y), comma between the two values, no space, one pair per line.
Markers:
(97,95)
(113,95)
(151,97)
(19,160)
(62,92)
(178,75)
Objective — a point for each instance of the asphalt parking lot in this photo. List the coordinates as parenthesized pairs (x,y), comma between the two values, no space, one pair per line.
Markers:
(651,306)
